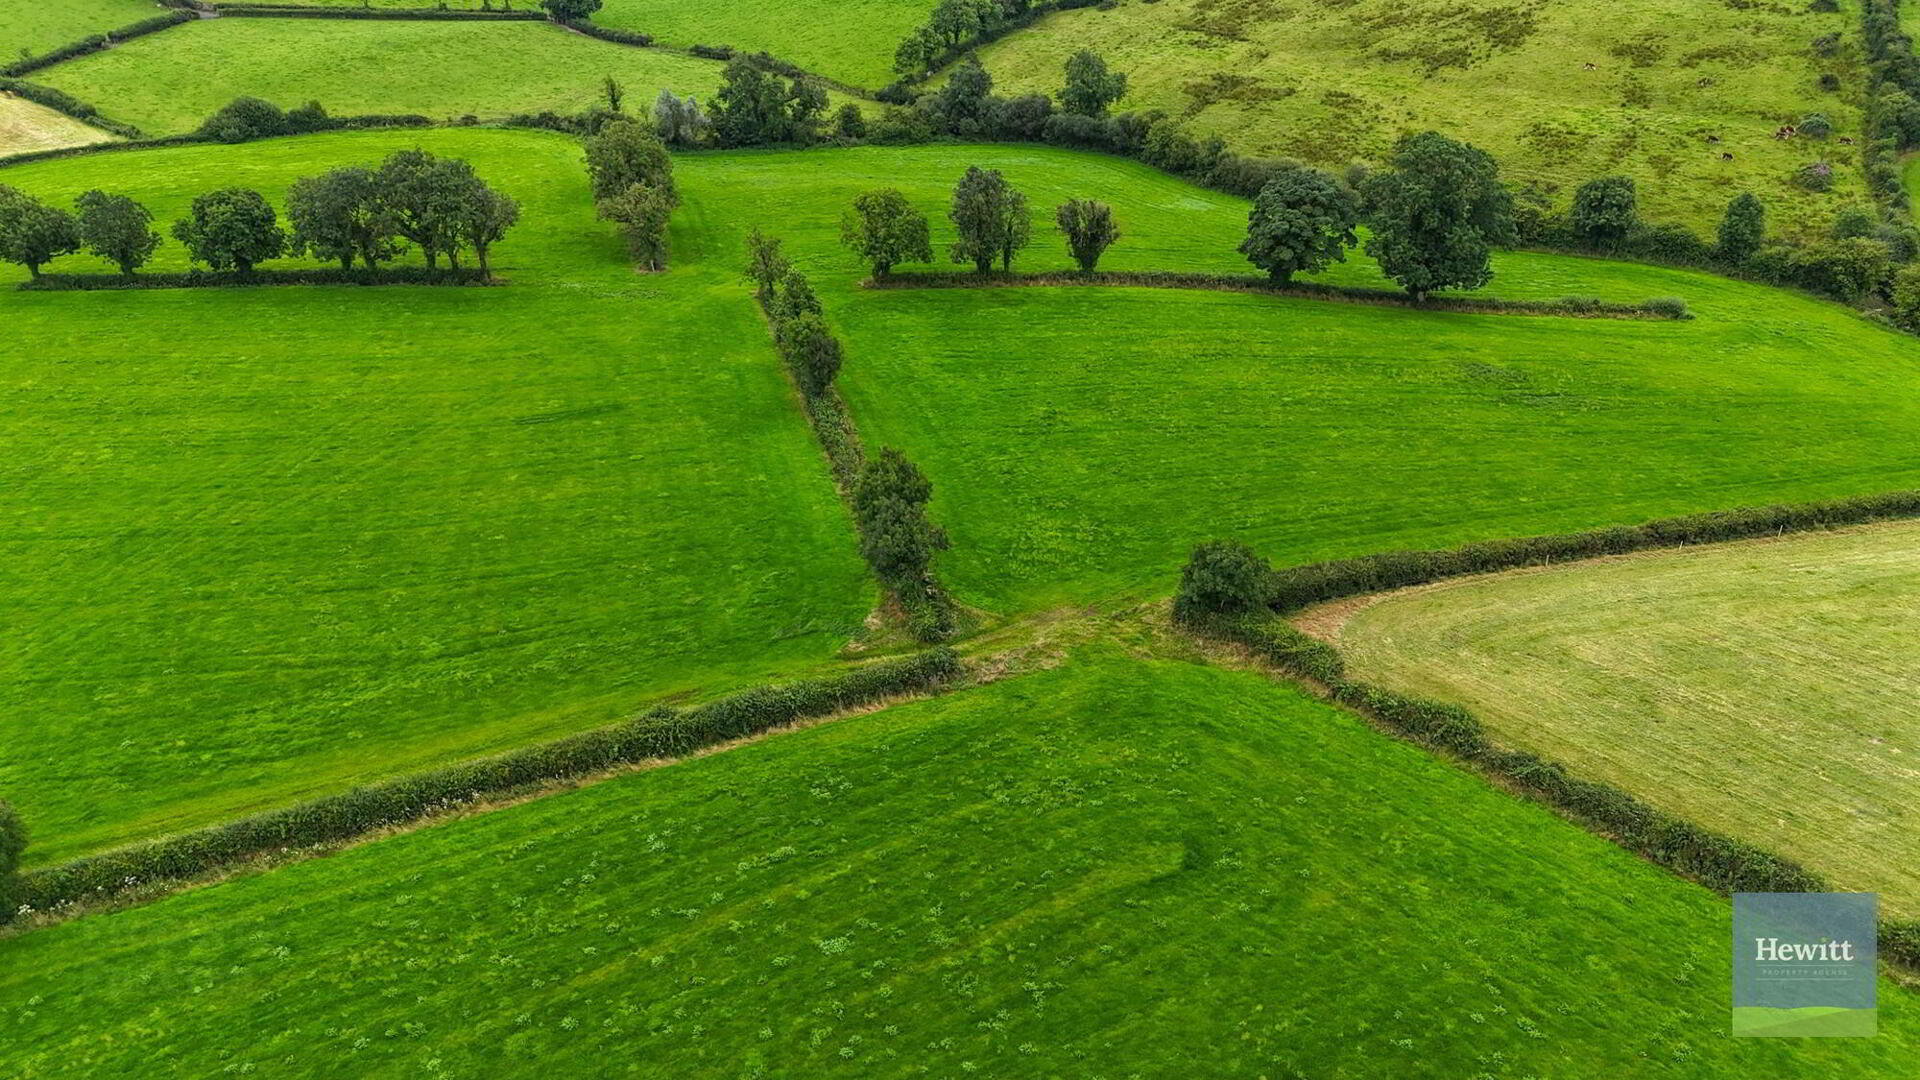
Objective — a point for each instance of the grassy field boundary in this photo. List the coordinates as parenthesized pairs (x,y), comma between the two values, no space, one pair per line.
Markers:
(1720,862)
(97,42)
(660,734)
(1572,307)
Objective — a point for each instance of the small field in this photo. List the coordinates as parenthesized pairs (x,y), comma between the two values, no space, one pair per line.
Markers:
(267,543)
(1083,440)
(25,126)
(168,83)
(1764,689)
(1560,93)
(1116,867)
(38,26)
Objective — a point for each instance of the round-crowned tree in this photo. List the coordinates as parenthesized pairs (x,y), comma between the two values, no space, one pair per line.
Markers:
(1302,221)
(231,229)
(1223,578)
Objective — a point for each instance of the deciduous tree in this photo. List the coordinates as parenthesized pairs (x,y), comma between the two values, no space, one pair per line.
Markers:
(890,497)
(1436,215)
(1743,229)
(623,153)
(341,215)
(1302,222)
(1091,88)
(231,229)
(1605,211)
(423,196)
(485,217)
(991,218)
(642,212)
(570,10)
(750,107)
(884,229)
(1089,228)
(13,842)
(811,350)
(117,229)
(33,233)
(766,264)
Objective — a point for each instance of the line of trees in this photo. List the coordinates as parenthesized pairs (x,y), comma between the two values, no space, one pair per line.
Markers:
(368,214)
(991,220)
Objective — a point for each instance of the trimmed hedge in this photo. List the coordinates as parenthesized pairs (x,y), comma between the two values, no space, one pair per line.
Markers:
(97,42)
(226,279)
(661,733)
(1574,307)
(62,102)
(1296,587)
(398,14)
(609,33)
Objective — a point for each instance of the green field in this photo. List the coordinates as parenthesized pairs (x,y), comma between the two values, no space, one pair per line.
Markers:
(1114,868)
(25,126)
(266,543)
(31,27)
(169,83)
(1083,440)
(848,40)
(1764,689)
(1335,83)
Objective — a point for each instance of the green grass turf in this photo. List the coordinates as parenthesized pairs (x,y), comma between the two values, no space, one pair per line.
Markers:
(1764,689)
(169,83)
(1114,868)
(1333,84)
(848,40)
(261,544)
(1081,441)
(25,126)
(39,26)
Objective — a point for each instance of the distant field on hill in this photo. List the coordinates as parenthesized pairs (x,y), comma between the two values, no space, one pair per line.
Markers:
(1083,440)
(1113,868)
(266,543)
(1560,93)
(25,126)
(848,40)
(169,83)
(1765,689)
(38,26)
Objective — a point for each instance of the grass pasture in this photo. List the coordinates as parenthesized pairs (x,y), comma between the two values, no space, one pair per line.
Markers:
(37,26)
(168,83)
(1764,689)
(1081,441)
(1560,93)
(848,40)
(1112,868)
(25,126)
(265,543)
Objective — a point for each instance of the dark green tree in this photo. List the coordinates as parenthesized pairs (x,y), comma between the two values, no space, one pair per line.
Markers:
(1089,228)
(917,54)
(811,350)
(570,10)
(750,107)
(1301,222)
(961,104)
(423,197)
(613,92)
(806,108)
(1091,88)
(1743,229)
(1223,578)
(623,153)
(796,297)
(766,265)
(231,229)
(341,216)
(1605,211)
(117,229)
(244,119)
(991,219)
(643,213)
(33,233)
(485,217)
(885,230)
(1851,222)
(890,497)
(1436,215)
(849,122)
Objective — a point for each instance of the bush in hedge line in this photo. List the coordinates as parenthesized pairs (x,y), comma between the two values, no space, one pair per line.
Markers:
(212,279)
(609,33)
(97,42)
(662,733)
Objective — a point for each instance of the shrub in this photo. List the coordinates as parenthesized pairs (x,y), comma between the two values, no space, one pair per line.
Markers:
(1671,307)
(13,841)
(1815,176)
(1223,578)
(1816,126)
(811,351)
(570,11)
(244,119)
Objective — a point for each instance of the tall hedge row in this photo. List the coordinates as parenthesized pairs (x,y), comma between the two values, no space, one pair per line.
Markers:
(662,733)
(1296,587)
(62,102)
(96,43)
(397,14)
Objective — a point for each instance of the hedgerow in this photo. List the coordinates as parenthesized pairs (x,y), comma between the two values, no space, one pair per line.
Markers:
(661,733)
(97,42)
(1715,860)
(1568,307)
(213,279)
(610,33)
(401,14)
(62,102)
